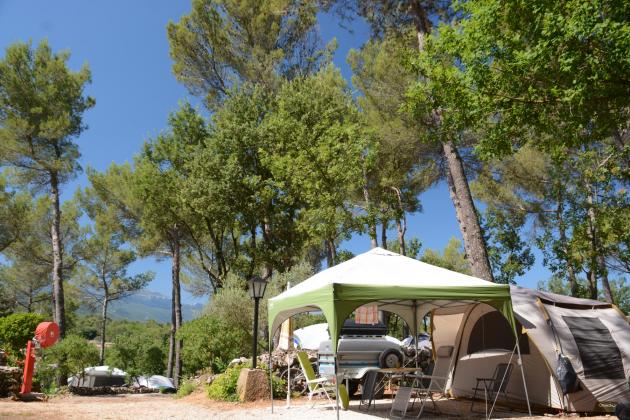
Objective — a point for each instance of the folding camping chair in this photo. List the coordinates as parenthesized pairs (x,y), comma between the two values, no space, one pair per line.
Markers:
(368,389)
(321,386)
(401,402)
(493,386)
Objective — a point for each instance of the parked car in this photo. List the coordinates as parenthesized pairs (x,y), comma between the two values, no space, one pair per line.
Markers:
(361,348)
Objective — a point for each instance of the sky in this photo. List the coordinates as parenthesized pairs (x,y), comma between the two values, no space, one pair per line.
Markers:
(125,45)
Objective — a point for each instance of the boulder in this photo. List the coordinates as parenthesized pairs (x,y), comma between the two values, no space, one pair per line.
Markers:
(252,385)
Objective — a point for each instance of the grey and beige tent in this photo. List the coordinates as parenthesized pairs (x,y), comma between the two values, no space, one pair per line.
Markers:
(394,283)
(593,335)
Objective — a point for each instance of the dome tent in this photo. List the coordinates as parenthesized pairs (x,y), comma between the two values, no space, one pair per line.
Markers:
(593,335)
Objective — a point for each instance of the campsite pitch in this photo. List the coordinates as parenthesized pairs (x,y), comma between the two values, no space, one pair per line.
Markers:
(157,406)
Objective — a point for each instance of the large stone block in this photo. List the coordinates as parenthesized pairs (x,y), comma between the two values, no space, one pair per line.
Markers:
(252,385)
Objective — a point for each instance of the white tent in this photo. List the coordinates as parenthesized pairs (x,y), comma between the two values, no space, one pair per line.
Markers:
(593,335)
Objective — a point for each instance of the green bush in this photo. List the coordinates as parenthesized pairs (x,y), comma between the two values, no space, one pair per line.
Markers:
(224,386)
(139,348)
(210,342)
(186,388)
(68,357)
(279,386)
(17,329)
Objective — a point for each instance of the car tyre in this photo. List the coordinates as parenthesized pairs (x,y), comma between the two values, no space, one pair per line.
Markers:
(390,358)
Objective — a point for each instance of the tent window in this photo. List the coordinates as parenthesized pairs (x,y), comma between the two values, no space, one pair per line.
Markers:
(492,331)
(600,355)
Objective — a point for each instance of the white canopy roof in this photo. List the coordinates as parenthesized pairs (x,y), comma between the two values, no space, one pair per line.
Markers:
(380,267)
(393,282)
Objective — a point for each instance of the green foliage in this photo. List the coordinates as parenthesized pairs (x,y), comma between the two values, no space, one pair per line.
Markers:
(68,357)
(212,342)
(224,386)
(29,259)
(140,348)
(41,107)
(412,247)
(222,43)
(556,67)
(13,210)
(399,165)
(509,254)
(17,329)
(278,385)
(187,388)
(621,294)
(452,258)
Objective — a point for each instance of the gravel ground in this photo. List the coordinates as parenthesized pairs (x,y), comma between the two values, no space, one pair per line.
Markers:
(195,406)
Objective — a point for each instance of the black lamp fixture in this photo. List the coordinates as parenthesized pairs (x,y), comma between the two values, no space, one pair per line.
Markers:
(256,288)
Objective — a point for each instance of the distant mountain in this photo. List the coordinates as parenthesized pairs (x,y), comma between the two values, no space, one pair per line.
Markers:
(146,305)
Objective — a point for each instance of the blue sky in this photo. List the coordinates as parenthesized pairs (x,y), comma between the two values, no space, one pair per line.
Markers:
(125,45)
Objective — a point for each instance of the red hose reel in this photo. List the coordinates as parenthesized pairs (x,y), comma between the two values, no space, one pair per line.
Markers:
(46,334)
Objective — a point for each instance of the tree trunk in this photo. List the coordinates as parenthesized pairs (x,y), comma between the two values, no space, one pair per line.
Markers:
(598,264)
(103,326)
(384,233)
(171,339)
(401,223)
(573,283)
(57,275)
(368,208)
(331,253)
(474,242)
(604,277)
(402,247)
(177,368)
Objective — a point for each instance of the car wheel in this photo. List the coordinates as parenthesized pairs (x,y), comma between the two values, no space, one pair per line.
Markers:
(390,358)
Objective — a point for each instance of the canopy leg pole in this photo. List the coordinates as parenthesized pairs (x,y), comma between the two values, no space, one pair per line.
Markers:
(415,328)
(520,362)
(288,385)
(271,372)
(336,384)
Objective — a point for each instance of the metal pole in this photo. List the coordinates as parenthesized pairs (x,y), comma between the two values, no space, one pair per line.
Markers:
(288,384)
(255,344)
(336,385)
(520,362)
(415,328)
(271,371)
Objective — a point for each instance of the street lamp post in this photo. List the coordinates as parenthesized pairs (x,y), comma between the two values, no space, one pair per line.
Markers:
(257,288)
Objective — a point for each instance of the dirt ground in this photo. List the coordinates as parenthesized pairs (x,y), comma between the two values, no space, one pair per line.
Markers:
(198,406)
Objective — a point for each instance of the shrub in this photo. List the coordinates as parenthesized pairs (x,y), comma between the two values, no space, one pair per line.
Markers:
(186,388)
(17,329)
(279,386)
(224,386)
(68,357)
(139,347)
(210,342)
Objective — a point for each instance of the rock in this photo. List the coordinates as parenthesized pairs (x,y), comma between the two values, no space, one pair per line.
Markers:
(252,385)
(238,361)
(10,381)
(110,390)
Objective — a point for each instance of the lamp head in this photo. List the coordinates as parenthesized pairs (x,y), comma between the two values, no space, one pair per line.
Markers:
(256,287)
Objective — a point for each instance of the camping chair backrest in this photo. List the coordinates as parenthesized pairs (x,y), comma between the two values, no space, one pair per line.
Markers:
(499,384)
(305,364)
(367,388)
